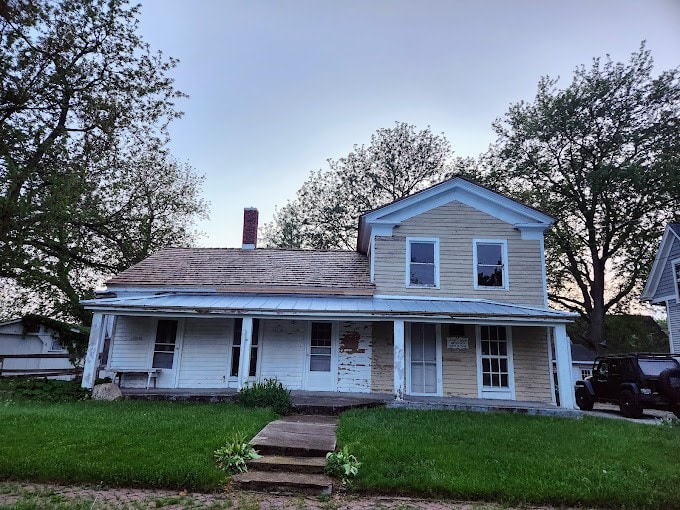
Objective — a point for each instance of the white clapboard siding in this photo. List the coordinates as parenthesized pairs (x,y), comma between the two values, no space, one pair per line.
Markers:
(282,351)
(131,347)
(673,310)
(532,367)
(204,359)
(354,358)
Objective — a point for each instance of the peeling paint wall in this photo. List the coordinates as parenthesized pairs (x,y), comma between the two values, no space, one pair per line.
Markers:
(354,356)
(382,367)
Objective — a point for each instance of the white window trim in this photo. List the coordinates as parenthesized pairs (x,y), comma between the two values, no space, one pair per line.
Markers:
(179,341)
(433,240)
(438,346)
(674,263)
(511,366)
(504,253)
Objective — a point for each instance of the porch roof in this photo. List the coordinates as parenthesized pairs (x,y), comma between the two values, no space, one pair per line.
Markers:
(328,307)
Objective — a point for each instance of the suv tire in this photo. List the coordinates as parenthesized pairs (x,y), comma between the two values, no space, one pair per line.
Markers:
(584,400)
(629,404)
(669,383)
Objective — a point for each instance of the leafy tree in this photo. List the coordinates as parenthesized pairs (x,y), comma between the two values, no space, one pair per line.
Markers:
(398,162)
(602,156)
(86,185)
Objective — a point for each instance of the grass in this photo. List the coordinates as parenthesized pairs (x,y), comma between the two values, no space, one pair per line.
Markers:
(126,443)
(515,459)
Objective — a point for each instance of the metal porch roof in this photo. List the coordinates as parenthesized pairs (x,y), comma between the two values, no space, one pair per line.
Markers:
(322,306)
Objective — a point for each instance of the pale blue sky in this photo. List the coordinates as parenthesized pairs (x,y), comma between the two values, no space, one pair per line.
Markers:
(278,87)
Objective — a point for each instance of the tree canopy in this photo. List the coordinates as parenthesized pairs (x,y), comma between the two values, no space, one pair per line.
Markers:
(602,156)
(87,186)
(324,215)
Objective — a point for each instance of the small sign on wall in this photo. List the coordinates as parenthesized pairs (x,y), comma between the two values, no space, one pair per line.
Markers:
(459,343)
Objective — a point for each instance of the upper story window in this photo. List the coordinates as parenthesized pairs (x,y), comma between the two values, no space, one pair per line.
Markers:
(676,277)
(422,262)
(490,263)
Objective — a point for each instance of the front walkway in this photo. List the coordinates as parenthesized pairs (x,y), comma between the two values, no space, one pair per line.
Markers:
(33,495)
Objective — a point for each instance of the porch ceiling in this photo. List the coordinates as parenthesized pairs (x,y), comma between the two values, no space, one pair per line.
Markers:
(357,308)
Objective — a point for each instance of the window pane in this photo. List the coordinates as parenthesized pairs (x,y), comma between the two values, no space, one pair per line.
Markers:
(253,362)
(490,276)
(321,331)
(494,365)
(238,326)
(489,254)
(422,252)
(504,365)
(319,363)
(422,274)
(256,332)
(503,349)
(504,380)
(326,351)
(486,380)
(494,348)
(235,355)
(162,359)
(485,348)
(486,365)
(495,380)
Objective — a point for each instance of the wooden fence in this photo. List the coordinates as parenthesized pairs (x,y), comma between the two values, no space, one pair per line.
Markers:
(36,372)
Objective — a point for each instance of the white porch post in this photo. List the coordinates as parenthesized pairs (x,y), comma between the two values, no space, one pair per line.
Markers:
(399,361)
(244,358)
(94,347)
(563,359)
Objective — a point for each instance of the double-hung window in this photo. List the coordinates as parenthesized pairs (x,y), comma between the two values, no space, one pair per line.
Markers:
(676,277)
(236,348)
(490,264)
(422,262)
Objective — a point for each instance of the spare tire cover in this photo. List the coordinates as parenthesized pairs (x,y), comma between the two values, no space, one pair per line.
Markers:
(669,383)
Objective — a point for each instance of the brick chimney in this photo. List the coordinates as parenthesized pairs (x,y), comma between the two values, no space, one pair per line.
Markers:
(250,216)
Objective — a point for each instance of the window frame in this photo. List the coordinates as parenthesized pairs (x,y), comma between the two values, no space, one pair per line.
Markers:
(504,253)
(423,240)
(675,263)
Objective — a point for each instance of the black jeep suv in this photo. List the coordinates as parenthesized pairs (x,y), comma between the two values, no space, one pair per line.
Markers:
(633,381)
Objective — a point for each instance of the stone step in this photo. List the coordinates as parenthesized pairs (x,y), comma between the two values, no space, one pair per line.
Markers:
(284,482)
(291,464)
(297,437)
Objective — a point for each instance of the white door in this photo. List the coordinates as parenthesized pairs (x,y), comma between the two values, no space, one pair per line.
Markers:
(423,359)
(165,352)
(321,359)
(495,372)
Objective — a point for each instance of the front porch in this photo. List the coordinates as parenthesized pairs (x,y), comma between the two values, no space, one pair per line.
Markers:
(332,403)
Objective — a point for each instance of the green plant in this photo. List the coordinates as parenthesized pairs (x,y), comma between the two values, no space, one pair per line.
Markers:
(231,458)
(268,393)
(343,465)
(47,390)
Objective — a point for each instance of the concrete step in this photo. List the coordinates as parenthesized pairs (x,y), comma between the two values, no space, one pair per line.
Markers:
(290,464)
(297,437)
(284,482)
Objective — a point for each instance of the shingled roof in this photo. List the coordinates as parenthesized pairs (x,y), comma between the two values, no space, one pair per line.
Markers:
(262,270)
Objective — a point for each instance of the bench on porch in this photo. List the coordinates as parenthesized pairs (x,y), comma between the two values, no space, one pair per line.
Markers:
(151,373)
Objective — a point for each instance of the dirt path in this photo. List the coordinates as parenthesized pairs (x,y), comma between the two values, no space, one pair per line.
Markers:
(30,496)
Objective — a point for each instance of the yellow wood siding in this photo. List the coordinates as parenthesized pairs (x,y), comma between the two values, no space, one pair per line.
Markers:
(532,367)
(459,367)
(382,362)
(456,225)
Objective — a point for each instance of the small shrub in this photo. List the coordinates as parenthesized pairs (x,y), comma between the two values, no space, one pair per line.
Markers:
(231,458)
(342,465)
(268,393)
(48,390)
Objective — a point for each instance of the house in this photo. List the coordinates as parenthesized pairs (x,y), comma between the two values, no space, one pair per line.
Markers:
(445,295)
(663,284)
(582,360)
(32,347)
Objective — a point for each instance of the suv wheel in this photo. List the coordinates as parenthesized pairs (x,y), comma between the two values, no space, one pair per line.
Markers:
(629,404)
(584,400)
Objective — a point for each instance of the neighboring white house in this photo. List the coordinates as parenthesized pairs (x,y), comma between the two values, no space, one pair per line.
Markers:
(445,295)
(663,283)
(582,360)
(32,341)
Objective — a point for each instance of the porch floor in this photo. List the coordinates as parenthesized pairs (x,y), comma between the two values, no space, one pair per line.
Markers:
(325,402)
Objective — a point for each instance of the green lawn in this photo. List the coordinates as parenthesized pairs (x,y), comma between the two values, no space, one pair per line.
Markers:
(515,458)
(127,443)
(494,457)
